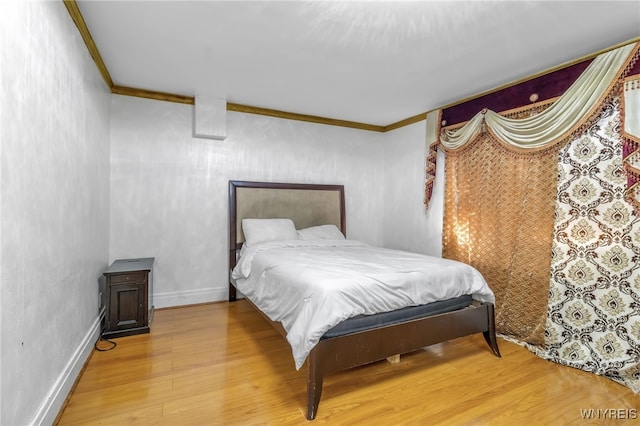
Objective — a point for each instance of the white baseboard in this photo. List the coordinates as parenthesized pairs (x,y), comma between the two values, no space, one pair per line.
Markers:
(190,297)
(50,407)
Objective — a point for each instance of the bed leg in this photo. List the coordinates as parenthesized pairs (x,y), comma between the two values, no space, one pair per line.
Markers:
(232,293)
(393,359)
(314,384)
(490,335)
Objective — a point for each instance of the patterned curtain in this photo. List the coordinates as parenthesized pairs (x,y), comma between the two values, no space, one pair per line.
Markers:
(594,304)
(554,232)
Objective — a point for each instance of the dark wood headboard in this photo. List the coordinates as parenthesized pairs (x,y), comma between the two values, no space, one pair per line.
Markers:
(305,204)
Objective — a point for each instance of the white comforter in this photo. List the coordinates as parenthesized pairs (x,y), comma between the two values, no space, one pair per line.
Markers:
(310,286)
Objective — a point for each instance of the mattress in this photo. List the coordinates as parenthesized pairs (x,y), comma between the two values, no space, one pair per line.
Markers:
(367,322)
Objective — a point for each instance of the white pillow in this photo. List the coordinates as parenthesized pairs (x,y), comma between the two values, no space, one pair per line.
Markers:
(322,232)
(261,230)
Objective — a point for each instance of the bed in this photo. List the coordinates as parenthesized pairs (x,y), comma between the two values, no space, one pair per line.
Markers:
(360,338)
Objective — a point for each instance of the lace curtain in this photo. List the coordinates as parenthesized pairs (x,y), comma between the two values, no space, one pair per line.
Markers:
(498,217)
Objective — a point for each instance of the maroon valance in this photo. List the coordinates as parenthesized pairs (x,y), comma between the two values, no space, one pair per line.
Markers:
(547,86)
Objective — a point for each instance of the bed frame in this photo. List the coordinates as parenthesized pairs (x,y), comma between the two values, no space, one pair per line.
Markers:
(309,205)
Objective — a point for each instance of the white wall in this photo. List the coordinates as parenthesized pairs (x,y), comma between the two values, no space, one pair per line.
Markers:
(168,197)
(54,131)
(407,224)
(169,191)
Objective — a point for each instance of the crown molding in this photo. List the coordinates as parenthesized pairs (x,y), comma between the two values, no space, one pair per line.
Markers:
(78,19)
(303,117)
(414,119)
(190,100)
(151,94)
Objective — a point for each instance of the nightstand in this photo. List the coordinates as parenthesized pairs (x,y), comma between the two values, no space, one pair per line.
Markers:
(129,291)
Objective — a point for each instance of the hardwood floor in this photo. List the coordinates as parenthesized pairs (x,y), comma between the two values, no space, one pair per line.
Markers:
(222,364)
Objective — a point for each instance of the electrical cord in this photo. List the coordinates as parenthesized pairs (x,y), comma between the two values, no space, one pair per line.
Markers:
(102,339)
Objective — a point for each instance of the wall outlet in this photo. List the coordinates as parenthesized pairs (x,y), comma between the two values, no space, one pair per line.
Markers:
(99,301)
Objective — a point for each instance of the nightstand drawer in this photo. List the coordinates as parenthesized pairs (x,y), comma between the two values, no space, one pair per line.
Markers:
(125,278)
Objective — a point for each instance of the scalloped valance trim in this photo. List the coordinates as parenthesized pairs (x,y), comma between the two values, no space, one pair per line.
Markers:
(560,120)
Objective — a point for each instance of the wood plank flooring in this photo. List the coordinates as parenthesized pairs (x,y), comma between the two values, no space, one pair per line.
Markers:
(222,364)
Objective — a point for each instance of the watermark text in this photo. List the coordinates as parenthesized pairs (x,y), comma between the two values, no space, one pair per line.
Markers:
(608,413)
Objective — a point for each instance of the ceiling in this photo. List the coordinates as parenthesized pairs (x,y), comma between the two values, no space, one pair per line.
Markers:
(370,62)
